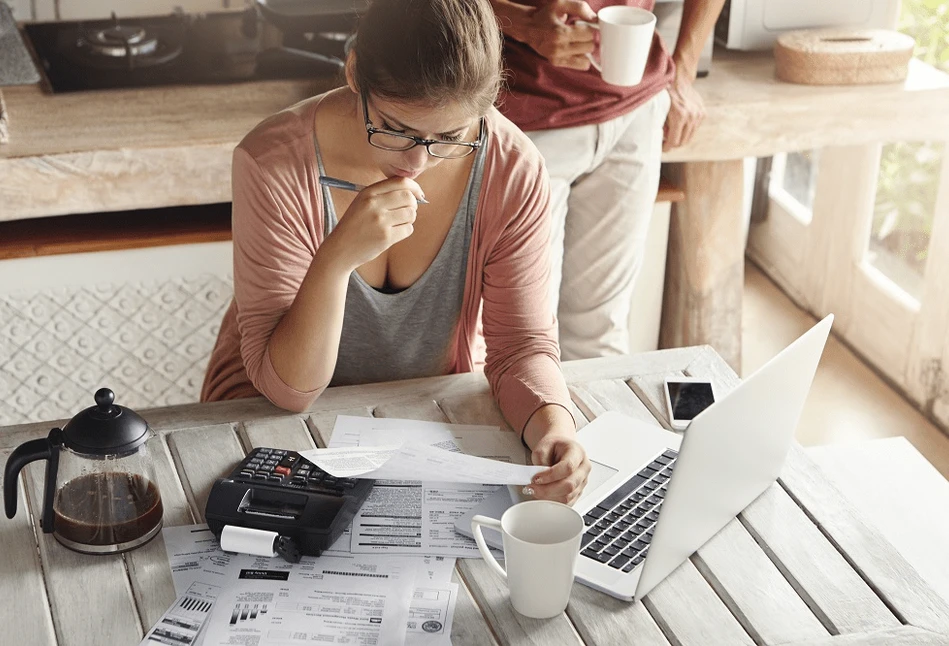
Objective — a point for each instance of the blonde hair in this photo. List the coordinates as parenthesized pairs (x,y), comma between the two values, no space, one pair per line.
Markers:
(430,52)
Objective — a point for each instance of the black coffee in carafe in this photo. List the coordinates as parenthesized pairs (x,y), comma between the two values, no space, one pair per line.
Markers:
(101,495)
(107,508)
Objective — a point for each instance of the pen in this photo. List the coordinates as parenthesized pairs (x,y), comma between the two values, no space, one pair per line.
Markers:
(332,182)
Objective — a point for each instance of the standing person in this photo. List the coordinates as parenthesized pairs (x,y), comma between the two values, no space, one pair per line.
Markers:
(602,144)
(334,287)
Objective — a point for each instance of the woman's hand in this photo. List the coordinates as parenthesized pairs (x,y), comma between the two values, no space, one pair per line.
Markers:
(381,215)
(552,434)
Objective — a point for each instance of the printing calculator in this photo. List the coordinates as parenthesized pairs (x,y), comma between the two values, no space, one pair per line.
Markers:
(278,491)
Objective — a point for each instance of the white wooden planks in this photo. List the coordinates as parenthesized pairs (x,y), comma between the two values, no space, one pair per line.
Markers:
(475,408)
(81,586)
(866,550)
(203,455)
(904,636)
(690,613)
(595,397)
(289,433)
(709,365)
(147,566)
(875,560)
(754,590)
(836,594)
(425,410)
(602,620)
(469,625)
(510,627)
(25,612)
(894,488)
(624,366)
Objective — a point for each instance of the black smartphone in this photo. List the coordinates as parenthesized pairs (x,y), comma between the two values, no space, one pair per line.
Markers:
(686,397)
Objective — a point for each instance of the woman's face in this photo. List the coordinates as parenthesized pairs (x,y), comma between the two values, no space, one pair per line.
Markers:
(449,123)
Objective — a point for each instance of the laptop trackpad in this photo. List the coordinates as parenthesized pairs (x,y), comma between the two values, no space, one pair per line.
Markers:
(599,474)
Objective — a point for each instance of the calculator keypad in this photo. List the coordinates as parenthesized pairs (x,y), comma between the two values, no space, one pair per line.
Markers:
(287,469)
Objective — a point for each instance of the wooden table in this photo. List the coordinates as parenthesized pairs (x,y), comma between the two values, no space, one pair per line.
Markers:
(798,566)
(752,114)
(864,471)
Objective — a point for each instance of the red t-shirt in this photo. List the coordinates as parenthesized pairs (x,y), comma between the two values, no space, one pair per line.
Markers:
(540,96)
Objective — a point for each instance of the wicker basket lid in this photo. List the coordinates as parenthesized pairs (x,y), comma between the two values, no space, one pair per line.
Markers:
(842,56)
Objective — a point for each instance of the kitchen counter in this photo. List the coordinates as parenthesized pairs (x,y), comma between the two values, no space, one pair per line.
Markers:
(87,152)
(127,149)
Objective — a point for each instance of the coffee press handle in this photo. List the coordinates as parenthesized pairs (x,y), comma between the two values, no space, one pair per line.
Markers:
(22,456)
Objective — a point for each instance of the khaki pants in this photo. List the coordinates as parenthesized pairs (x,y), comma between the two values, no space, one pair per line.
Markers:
(603,181)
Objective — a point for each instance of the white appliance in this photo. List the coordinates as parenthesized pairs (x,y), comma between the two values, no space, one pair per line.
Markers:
(756,24)
(732,452)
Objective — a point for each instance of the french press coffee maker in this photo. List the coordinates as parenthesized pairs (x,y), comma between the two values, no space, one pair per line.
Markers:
(101,496)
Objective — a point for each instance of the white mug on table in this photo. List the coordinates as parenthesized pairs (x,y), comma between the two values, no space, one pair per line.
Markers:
(625,42)
(541,541)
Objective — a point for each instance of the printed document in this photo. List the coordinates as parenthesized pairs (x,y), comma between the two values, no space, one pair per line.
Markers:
(182,623)
(406,516)
(196,559)
(344,607)
(412,458)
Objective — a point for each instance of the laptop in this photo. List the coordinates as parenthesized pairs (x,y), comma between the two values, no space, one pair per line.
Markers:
(730,454)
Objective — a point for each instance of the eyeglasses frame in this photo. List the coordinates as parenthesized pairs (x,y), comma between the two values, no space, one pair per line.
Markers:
(370,130)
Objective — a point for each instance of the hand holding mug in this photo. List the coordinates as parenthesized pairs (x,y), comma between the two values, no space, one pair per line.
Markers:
(625,41)
(550,31)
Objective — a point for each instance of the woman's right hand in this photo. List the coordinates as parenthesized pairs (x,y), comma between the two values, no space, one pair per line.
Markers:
(381,215)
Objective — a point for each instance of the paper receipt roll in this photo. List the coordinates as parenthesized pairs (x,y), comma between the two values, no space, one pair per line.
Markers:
(248,541)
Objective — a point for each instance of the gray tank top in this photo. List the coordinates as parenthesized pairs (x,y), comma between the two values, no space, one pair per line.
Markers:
(406,334)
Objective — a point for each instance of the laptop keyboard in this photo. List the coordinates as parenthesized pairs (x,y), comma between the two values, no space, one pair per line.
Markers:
(620,528)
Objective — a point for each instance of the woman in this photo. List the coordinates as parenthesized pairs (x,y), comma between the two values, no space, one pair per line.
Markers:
(454,213)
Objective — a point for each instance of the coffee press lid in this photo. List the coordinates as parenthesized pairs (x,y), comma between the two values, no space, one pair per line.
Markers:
(105,428)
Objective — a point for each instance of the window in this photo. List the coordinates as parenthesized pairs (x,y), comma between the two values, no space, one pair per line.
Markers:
(908,180)
(793,182)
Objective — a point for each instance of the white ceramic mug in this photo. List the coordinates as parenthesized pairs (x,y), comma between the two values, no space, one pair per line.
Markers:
(625,42)
(541,541)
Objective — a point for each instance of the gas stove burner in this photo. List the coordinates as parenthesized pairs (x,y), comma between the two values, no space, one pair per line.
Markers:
(120,41)
(183,49)
(128,47)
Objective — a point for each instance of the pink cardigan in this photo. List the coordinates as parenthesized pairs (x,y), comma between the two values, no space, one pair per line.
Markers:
(278,226)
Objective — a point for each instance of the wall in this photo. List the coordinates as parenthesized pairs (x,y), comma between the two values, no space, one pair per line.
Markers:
(140,321)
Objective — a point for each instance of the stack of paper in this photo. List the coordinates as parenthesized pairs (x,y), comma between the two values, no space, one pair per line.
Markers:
(387,581)
(463,465)
(336,598)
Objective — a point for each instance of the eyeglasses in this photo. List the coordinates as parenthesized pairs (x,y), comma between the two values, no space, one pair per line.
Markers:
(397,141)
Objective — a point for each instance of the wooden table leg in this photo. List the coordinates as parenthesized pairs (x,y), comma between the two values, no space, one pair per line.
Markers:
(705,263)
